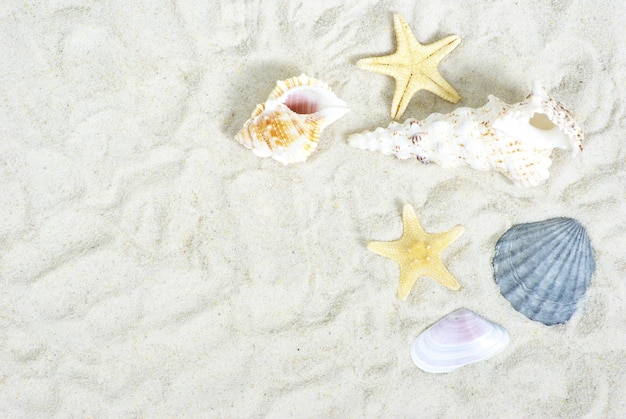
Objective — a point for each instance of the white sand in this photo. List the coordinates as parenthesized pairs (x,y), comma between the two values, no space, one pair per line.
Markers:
(152,267)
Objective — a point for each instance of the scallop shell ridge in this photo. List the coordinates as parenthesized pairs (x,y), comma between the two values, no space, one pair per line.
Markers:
(544,268)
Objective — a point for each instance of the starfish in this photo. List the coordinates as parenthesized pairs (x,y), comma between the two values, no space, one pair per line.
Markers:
(418,253)
(414,66)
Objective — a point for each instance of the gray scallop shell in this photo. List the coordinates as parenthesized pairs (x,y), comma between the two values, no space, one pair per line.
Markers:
(544,268)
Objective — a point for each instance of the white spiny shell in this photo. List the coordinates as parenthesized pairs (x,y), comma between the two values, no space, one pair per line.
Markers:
(460,338)
(515,140)
(287,126)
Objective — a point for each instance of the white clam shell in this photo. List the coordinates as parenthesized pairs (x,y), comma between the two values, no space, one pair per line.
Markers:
(288,125)
(462,337)
(515,140)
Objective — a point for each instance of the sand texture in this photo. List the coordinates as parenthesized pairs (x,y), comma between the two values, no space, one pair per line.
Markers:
(151,266)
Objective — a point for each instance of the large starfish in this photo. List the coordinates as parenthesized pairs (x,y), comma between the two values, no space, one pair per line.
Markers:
(414,66)
(418,253)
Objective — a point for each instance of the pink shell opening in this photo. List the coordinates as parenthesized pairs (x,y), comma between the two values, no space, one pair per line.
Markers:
(302,103)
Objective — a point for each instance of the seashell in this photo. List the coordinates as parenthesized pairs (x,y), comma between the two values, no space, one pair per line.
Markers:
(287,126)
(544,268)
(462,337)
(515,140)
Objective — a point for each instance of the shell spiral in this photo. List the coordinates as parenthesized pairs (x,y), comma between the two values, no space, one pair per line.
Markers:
(287,126)
(544,268)
(515,140)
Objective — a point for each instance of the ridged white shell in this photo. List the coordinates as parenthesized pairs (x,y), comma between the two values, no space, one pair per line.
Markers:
(462,337)
(287,126)
(515,140)
(544,268)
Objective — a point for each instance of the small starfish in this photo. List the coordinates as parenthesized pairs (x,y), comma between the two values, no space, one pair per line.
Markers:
(414,66)
(418,253)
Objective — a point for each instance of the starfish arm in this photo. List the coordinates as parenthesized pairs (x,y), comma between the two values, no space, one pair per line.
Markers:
(405,89)
(439,49)
(405,40)
(389,250)
(410,221)
(449,236)
(442,275)
(437,269)
(381,65)
(438,85)
(408,278)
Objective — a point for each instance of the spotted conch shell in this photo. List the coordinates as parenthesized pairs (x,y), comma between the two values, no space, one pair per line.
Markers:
(515,140)
(287,126)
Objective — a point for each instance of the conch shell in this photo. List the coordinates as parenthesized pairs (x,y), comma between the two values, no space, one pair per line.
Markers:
(515,140)
(287,126)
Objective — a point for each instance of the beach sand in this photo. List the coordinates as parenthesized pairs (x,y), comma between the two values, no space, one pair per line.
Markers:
(151,266)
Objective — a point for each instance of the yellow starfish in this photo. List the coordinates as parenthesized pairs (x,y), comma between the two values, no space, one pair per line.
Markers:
(418,253)
(414,66)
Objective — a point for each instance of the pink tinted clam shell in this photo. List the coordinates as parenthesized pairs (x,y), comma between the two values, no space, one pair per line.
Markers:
(460,338)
